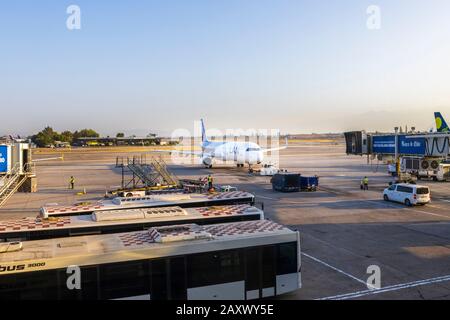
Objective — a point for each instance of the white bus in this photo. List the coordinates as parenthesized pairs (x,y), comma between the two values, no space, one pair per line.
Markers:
(241,260)
(184,200)
(104,222)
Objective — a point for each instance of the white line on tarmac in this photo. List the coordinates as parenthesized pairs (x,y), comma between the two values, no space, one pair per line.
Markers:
(373,201)
(396,287)
(335,269)
(411,209)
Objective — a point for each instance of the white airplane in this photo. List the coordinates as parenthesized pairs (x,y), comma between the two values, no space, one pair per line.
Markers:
(240,152)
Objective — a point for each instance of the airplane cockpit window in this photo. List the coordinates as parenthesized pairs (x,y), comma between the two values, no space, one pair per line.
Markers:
(253,149)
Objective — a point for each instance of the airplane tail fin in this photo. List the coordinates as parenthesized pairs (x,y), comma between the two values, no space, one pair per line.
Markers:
(441,125)
(204,138)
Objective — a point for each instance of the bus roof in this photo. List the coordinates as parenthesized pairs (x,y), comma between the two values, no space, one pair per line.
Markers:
(153,200)
(130,216)
(153,243)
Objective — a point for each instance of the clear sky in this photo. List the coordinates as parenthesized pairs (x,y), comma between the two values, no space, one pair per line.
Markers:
(157,65)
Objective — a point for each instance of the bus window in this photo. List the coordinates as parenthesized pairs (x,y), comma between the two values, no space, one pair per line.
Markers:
(268,267)
(231,266)
(252,270)
(178,290)
(89,285)
(40,285)
(287,258)
(260,280)
(64,293)
(159,280)
(10,287)
(124,280)
(211,268)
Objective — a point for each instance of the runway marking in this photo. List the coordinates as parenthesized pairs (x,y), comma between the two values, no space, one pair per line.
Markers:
(396,287)
(373,201)
(435,206)
(335,269)
(410,209)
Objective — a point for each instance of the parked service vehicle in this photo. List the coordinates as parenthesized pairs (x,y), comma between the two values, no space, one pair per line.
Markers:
(442,173)
(286,182)
(132,193)
(426,168)
(409,194)
(268,170)
(228,189)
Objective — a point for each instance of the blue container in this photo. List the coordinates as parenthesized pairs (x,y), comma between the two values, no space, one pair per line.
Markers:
(309,183)
(286,182)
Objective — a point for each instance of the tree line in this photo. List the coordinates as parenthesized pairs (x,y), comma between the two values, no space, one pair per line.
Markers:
(48,136)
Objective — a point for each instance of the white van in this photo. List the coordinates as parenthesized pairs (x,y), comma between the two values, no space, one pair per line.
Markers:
(409,194)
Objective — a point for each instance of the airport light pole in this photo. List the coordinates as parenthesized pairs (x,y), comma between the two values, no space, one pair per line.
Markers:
(397,159)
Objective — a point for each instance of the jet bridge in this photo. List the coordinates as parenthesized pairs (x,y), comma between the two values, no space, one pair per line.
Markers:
(16,170)
(425,145)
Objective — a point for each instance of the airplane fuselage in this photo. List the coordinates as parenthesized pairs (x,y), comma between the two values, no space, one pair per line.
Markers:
(239,152)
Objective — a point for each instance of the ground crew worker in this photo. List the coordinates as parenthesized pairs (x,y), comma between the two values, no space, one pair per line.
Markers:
(365,183)
(210,182)
(72,182)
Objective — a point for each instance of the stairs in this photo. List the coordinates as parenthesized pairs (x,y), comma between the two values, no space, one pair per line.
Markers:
(11,183)
(152,174)
(160,167)
(144,173)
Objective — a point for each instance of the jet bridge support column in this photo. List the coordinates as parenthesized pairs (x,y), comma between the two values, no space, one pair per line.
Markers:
(397,157)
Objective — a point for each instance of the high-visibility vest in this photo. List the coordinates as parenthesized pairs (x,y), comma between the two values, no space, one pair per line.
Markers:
(210,179)
(366,180)
(72,180)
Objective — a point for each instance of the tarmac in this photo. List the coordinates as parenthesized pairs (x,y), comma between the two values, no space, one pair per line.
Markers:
(344,230)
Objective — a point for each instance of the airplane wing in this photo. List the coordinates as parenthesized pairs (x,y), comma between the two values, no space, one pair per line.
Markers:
(185,152)
(277,149)
(47,159)
(274,149)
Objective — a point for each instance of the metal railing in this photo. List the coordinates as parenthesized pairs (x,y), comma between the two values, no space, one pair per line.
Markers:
(161,167)
(11,183)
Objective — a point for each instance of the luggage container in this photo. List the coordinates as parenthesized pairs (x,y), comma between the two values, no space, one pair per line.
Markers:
(309,183)
(286,182)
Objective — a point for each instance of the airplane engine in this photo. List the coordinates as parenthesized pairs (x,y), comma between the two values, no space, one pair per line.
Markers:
(254,158)
(241,159)
(207,161)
